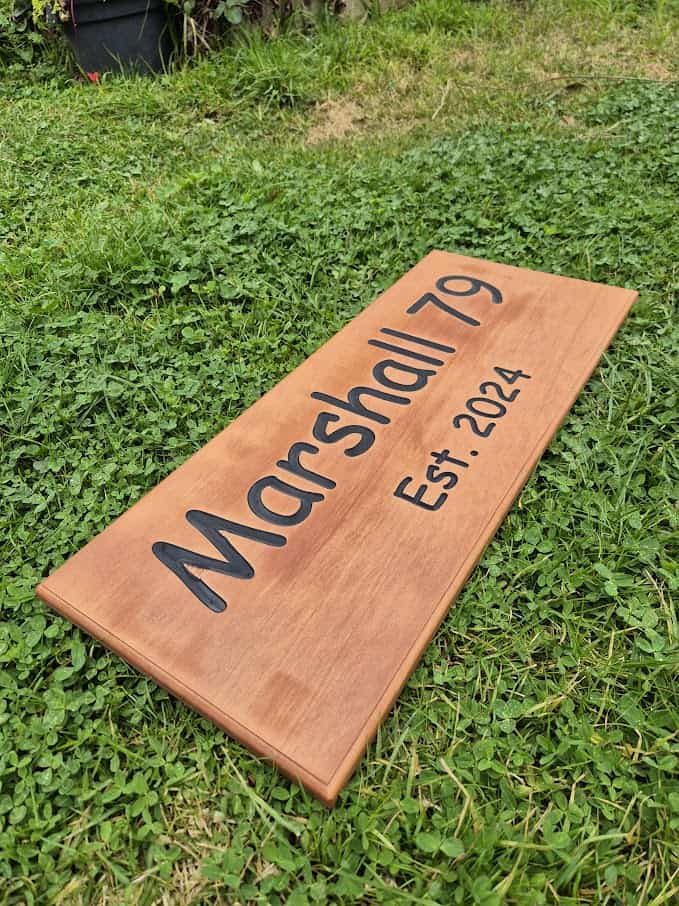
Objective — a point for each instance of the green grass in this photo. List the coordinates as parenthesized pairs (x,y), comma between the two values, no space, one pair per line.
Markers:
(171,250)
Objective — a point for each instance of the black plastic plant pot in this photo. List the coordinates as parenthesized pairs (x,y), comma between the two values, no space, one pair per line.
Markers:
(119,35)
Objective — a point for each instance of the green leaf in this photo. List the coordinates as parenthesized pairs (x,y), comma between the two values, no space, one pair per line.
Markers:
(77,653)
(452,847)
(428,842)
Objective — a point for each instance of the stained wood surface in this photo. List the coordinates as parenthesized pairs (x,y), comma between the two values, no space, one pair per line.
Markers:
(335,581)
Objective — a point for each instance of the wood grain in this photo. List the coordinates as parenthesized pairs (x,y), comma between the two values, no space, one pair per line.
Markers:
(300,645)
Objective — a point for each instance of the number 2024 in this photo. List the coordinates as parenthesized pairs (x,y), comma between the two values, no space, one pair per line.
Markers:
(486,406)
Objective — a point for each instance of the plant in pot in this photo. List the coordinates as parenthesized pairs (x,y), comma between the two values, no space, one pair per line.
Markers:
(112,35)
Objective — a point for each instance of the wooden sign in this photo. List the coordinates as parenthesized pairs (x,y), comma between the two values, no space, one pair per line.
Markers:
(286,579)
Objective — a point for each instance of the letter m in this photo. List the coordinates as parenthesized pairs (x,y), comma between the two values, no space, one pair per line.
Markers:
(180,560)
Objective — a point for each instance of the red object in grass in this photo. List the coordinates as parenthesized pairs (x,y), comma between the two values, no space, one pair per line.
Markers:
(93,77)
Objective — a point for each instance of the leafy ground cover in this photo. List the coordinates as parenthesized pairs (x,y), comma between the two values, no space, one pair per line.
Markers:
(172,248)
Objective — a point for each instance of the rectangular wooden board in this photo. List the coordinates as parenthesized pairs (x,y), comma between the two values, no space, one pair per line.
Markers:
(286,579)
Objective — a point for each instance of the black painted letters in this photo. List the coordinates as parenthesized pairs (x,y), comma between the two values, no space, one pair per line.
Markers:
(281,503)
